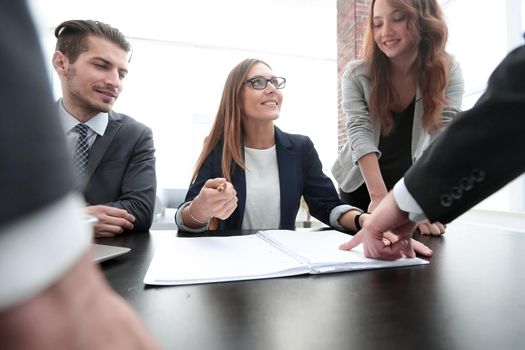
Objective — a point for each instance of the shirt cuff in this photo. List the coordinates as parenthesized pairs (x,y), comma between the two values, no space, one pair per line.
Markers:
(336,213)
(180,222)
(407,203)
(38,249)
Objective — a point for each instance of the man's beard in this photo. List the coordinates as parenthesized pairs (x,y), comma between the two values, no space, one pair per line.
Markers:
(86,105)
(79,99)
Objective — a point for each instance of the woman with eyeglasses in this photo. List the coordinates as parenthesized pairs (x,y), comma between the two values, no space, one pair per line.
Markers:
(397,98)
(250,174)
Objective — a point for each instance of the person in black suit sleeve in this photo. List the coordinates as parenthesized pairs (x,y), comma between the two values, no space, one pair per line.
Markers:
(119,183)
(477,155)
(51,296)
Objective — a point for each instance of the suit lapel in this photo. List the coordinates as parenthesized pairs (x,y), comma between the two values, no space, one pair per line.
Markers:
(239,179)
(288,177)
(102,143)
(239,182)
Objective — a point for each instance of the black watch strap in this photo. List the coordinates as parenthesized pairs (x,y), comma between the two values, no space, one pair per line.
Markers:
(356,221)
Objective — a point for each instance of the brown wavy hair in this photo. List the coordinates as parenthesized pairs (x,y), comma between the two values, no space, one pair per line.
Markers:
(432,65)
(228,124)
(72,37)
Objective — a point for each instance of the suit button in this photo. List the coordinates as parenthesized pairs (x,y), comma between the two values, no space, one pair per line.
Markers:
(466,184)
(477,175)
(446,200)
(456,192)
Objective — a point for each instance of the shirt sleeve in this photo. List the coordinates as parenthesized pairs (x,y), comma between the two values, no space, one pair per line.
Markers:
(336,214)
(407,203)
(38,249)
(180,222)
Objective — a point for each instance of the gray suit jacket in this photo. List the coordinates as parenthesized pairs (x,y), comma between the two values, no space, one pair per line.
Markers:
(363,135)
(121,169)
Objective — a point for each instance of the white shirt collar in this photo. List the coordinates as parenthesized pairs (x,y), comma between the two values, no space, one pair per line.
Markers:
(98,123)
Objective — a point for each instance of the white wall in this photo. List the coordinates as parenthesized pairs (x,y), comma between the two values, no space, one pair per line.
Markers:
(183,51)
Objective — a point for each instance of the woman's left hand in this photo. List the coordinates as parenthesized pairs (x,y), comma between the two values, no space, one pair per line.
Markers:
(434,229)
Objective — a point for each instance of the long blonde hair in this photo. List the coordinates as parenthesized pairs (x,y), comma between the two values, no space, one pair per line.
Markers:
(227,126)
(432,64)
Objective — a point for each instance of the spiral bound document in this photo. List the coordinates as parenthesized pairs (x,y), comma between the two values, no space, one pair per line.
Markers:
(266,254)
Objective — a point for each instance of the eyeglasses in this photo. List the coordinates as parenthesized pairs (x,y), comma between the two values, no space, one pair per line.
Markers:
(260,83)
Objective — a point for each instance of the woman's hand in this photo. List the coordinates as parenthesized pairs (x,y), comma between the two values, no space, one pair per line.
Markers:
(434,229)
(375,199)
(217,198)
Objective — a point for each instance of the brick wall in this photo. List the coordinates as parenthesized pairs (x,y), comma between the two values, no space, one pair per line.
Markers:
(351,19)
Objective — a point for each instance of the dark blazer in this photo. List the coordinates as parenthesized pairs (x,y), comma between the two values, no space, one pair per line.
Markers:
(121,169)
(35,166)
(480,152)
(300,174)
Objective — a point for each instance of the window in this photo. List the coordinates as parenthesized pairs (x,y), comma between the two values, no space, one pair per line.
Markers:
(183,51)
(480,35)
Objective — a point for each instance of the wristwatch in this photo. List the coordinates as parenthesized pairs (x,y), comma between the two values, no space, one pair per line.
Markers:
(356,221)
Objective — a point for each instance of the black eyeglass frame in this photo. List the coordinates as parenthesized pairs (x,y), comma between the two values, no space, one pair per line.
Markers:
(277,85)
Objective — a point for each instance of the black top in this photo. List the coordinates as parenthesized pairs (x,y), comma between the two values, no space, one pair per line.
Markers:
(396,147)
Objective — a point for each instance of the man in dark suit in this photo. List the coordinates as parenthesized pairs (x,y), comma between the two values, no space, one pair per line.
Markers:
(51,296)
(118,181)
(476,156)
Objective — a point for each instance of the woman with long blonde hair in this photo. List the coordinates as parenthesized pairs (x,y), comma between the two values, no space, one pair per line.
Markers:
(397,97)
(251,174)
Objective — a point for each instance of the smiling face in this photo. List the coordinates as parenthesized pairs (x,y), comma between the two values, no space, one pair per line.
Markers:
(393,34)
(93,82)
(261,105)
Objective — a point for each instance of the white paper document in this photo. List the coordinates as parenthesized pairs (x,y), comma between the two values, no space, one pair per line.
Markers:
(267,254)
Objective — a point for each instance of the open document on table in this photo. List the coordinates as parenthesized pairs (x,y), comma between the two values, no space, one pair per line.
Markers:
(266,254)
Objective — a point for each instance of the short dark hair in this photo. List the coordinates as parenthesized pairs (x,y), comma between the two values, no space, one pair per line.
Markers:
(72,36)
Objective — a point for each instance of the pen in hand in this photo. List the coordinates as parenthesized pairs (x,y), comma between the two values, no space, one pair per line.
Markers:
(214,222)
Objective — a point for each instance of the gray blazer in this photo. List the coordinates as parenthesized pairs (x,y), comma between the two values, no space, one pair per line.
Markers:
(363,136)
(121,169)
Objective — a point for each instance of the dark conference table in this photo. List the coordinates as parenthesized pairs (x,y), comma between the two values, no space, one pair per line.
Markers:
(471,296)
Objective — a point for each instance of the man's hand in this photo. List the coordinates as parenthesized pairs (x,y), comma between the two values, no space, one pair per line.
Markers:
(374,202)
(111,221)
(79,311)
(387,217)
